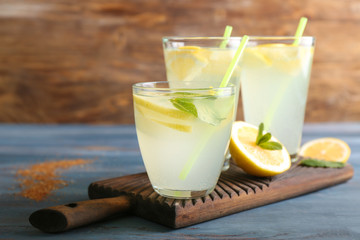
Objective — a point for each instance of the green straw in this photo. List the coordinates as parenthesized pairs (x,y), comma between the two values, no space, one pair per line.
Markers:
(190,162)
(227,34)
(197,150)
(279,97)
(234,61)
(300,30)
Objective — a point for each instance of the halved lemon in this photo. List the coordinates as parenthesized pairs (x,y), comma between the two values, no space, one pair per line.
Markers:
(252,158)
(328,149)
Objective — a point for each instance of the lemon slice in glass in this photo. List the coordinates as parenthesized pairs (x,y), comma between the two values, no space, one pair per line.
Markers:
(253,57)
(172,118)
(186,63)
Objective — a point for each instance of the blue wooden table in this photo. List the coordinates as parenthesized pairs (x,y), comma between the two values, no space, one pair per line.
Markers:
(332,213)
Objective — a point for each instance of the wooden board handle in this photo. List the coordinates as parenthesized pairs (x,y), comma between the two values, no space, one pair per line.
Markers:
(65,217)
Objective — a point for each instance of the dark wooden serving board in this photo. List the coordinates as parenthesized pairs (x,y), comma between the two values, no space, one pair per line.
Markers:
(235,192)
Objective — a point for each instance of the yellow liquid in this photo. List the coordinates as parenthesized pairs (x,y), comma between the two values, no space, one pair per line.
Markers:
(274,83)
(200,64)
(169,140)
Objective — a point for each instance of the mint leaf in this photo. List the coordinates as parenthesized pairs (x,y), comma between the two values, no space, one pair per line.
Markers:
(185,105)
(265,138)
(271,145)
(259,136)
(312,162)
(208,108)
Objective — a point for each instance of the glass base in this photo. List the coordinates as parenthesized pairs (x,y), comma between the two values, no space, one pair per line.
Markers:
(182,194)
(226,162)
(294,157)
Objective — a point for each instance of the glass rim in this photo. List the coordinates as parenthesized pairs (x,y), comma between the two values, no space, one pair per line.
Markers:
(142,86)
(255,37)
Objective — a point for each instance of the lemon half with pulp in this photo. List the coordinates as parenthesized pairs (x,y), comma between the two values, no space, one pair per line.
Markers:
(252,158)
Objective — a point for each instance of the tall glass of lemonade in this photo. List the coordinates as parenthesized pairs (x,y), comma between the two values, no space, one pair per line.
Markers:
(183,129)
(201,59)
(275,74)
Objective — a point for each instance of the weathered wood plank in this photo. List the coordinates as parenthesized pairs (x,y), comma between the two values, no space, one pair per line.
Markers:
(63,62)
(297,181)
(22,145)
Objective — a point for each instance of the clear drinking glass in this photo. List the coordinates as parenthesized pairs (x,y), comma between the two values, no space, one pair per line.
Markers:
(275,74)
(183,129)
(201,59)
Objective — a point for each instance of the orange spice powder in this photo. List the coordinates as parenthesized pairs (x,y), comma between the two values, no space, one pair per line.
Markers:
(40,179)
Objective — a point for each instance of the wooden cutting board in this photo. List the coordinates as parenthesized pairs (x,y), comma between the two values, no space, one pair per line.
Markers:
(235,192)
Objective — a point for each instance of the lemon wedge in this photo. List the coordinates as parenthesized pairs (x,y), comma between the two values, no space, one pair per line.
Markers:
(328,149)
(253,57)
(284,57)
(176,126)
(186,63)
(167,117)
(252,158)
(154,109)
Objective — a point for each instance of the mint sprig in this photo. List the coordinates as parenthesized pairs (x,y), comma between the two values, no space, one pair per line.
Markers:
(185,105)
(263,140)
(203,108)
(312,162)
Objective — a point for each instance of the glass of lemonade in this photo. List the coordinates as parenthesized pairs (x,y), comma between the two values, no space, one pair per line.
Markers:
(275,75)
(183,129)
(201,59)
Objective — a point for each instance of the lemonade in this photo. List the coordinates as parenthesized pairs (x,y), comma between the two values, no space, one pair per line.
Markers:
(274,81)
(183,133)
(201,59)
(199,64)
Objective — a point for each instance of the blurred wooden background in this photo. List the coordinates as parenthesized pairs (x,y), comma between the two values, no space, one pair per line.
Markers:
(66,61)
